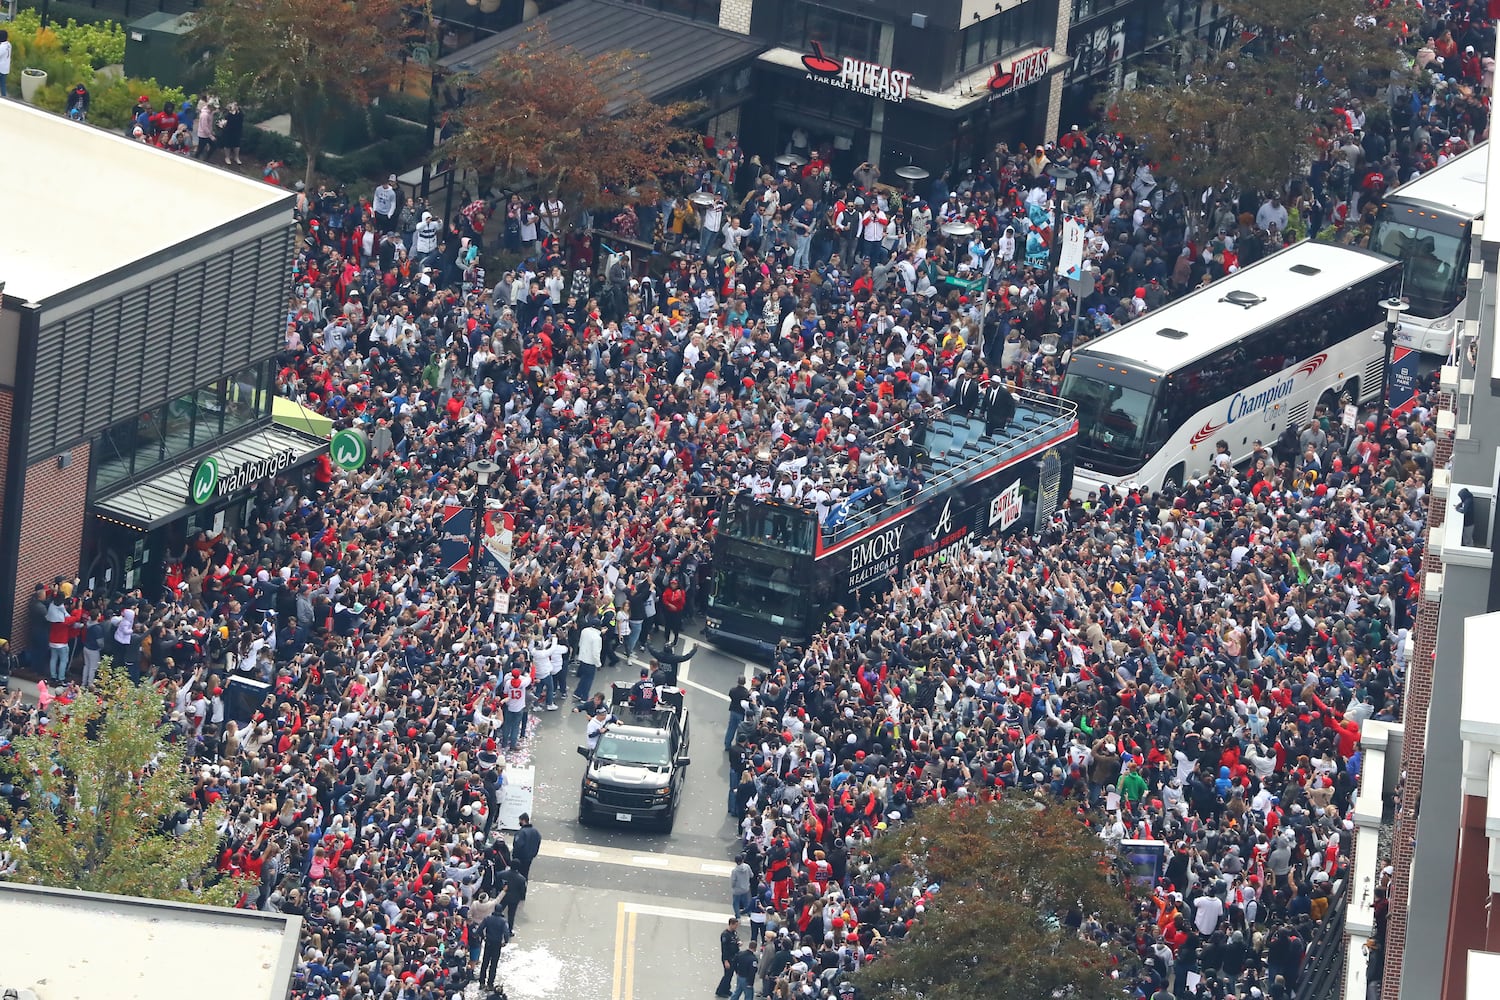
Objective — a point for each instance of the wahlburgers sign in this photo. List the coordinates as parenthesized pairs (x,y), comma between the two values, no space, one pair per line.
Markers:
(212,479)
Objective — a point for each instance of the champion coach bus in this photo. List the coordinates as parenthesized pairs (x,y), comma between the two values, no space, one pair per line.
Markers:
(778,569)
(1427,225)
(1233,362)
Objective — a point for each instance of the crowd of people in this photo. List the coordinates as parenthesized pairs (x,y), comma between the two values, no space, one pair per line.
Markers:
(1190,666)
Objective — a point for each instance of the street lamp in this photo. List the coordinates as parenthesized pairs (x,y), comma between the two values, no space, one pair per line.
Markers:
(1061,175)
(484,470)
(1394,307)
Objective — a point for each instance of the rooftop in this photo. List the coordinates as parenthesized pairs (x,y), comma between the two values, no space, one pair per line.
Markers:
(140,949)
(135,200)
(667,52)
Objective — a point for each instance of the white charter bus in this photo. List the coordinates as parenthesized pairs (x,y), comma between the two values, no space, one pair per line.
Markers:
(1234,361)
(1427,225)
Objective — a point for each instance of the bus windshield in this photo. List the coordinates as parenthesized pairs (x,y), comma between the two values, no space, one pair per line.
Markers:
(769,524)
(1112,423)
(777,594)
(1434,264)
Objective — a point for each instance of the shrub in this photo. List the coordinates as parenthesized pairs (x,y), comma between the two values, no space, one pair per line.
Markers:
(87,44)
(113,103)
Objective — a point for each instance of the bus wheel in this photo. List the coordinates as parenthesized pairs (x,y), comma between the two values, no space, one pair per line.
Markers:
(1173,478)
(1329,402)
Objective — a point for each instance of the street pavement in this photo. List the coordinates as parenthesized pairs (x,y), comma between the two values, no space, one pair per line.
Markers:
(620,913)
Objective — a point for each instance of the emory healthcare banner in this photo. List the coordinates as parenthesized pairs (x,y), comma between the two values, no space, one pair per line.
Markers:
(1402,392)
(496,541)
(1070,265)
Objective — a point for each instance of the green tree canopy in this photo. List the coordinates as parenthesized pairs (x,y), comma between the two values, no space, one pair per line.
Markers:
(545,116)
(103,780)
(1009,873)
(1251,112)
(316,58)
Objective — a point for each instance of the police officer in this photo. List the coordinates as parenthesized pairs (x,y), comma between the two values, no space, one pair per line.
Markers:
(729,947)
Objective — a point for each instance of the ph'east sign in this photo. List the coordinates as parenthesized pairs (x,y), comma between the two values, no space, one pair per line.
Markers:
(1023,73)
(871,79)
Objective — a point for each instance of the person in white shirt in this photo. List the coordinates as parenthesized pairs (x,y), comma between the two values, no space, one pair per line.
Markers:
(425,239)
(384,204)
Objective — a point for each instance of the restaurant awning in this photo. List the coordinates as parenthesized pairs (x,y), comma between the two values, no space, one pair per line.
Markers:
(669,53)
(166,496)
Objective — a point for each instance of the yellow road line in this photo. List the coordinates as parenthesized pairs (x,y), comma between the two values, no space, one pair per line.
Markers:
(619,951)
(630,959)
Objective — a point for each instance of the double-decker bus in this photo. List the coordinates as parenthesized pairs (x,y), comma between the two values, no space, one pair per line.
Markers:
(779,568)
(1232,362)
(1427,225)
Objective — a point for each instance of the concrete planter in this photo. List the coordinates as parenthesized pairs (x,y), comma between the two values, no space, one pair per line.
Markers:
(32,80)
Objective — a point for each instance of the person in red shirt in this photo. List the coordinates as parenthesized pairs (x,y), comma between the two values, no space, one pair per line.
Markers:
(673,602)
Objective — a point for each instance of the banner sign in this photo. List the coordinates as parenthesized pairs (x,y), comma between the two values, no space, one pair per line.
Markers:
(1070,265)
(1402,394)
(495,543)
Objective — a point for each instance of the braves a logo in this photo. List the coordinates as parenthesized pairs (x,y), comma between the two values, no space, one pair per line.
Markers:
(945,520)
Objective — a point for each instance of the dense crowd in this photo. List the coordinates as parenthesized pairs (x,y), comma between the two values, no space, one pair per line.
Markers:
(1190,666)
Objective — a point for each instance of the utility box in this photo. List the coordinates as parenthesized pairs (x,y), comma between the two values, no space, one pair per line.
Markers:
(156,48)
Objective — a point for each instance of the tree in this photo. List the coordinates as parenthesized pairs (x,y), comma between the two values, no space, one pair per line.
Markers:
(1008,873)
(1252,111)
(103,785)
(544,116)
(317,58)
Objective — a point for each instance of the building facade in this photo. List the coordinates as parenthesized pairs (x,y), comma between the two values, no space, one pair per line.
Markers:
(133,358)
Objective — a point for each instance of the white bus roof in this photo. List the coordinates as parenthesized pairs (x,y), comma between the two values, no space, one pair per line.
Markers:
(1457,185)
(1212,321)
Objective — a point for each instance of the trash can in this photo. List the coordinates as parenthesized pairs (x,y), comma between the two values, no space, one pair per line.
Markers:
(32,80)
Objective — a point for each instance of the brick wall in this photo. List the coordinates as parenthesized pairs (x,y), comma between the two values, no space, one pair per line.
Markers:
(1413,745)
(734,15)
(7,405)
(52,514)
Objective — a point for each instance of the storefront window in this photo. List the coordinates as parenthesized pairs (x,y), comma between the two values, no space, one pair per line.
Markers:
(1031,25)
(243,401)
(165,434)
(706,11)
(840,34)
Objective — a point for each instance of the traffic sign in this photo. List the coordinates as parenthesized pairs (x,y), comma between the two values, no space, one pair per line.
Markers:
(205,481)
(350,449)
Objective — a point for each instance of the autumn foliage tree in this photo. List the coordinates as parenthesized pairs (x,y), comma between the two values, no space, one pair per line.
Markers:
(1008,874)
(545,117)
(1251,111)
(317,58)
(104,790)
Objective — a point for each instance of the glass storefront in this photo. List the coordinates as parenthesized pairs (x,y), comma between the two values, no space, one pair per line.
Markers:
(164,434)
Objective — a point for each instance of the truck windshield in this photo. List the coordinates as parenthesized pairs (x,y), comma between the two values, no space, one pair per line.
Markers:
(640,750)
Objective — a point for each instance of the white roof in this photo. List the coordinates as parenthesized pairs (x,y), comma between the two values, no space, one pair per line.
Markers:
(1211,323)
(85,201)
(67,945)
(1457,185)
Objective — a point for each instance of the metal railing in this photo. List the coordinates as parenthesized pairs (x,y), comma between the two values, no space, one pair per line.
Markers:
(1057,415)
(1323,971)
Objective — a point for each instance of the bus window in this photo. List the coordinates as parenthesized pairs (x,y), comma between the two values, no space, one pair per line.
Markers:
(1112,422)
(783,527)
(769,593)
(1435,263)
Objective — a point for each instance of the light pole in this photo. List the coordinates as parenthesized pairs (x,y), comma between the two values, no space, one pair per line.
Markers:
(1394,307)
(484,470)
(1061,175)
